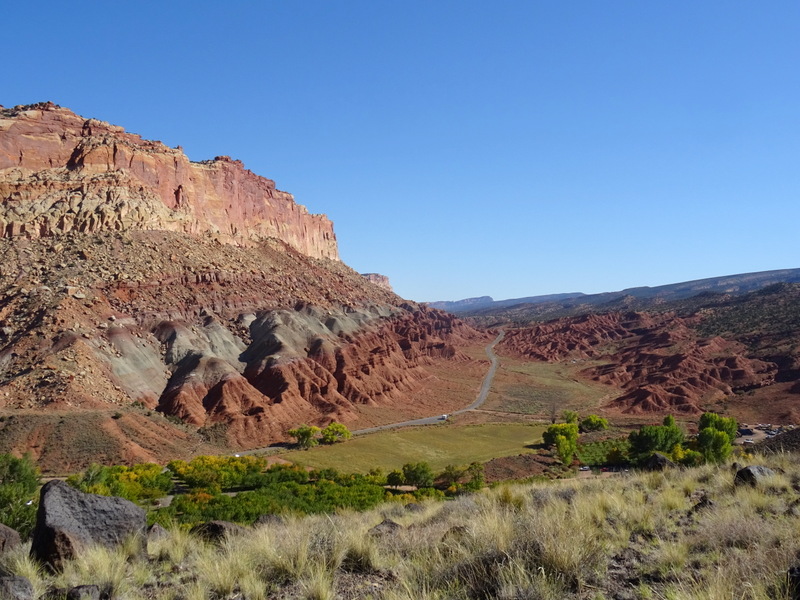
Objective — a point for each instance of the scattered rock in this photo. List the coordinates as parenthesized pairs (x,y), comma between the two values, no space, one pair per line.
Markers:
(216,531)
(752,475)
(85,592)
(387,526)
(703,502)
(156,532)
(658,462)
(269,519)
(415,507)
(9,538)
(15,588)
(69,520)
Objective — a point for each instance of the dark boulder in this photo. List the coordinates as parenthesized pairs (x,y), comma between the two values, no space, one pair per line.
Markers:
(658,462)
(386,526)
(752,475)
(793,579)
(216,531)
(9,538)
(415,507)
(15,588)
(86,592)
(69,520)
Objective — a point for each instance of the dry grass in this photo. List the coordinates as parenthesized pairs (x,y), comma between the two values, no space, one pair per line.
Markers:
(637,536)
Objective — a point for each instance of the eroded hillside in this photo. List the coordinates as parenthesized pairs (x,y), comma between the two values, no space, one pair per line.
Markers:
(151,307)
(737,353)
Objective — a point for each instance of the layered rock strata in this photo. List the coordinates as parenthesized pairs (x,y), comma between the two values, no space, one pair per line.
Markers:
(60,172)
(238,343)
(379,280)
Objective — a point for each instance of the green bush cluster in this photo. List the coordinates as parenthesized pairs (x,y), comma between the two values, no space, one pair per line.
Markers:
(218,473)
(306,435)
(139,483)
(564,438)
(282,489)
(19,481)
(606,452)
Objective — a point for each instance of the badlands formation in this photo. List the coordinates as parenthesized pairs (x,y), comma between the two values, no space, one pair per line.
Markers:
(152,307)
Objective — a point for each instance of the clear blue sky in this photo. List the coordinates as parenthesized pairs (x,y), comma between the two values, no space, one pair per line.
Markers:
(465,148)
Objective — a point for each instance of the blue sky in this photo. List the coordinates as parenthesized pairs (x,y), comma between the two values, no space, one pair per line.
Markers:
(506,148)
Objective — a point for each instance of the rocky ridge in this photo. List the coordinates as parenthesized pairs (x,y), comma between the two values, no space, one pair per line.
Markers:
(60,172)
(152,308)
(657,360)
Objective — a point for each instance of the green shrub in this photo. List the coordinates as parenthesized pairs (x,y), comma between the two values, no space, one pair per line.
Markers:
(19,480)
(418,474)
(728,425)
(305,436)
(653,438)
(139,483)
(594,423)
(568,430)
(335,432)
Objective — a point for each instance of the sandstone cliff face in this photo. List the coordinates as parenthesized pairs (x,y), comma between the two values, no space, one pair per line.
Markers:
(379,280)
(60,172)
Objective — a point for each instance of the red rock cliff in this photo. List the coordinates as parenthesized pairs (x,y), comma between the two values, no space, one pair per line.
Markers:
(60,172)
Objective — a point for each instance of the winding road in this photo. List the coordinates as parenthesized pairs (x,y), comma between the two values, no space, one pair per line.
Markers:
(484,392)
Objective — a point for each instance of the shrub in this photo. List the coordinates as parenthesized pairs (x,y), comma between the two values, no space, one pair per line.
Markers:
(654,438)
(139,483)
(19,480)
(728,425)
(594,423)
(568,430)
(714,445)
(418,474)
(217,473)
(305,436)
(335,432)
(570,416)
(565,449)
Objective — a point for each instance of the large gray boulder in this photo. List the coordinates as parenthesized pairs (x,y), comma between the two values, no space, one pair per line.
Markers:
(753,475)
(69,520)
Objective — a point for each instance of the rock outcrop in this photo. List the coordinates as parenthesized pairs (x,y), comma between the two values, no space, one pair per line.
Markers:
(60,172)
(379,280)
(69,521)
(152,308)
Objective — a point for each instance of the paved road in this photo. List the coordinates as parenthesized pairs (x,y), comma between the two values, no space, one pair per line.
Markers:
(484,392)
(485,387)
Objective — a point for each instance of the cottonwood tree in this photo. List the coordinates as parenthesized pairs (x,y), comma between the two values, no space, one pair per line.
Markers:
(335,432)
(305,436)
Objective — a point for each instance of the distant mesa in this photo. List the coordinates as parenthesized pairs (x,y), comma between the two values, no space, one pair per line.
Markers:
(462,305)
(60,173)
(379,280)
(558,305)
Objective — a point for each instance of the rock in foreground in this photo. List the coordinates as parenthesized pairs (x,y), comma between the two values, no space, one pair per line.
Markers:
(69,520)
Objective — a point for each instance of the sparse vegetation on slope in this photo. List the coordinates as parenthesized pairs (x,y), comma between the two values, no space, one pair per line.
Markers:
(683,534)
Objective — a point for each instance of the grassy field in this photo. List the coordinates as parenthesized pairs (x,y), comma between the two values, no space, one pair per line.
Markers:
(439,445)
(534,388)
